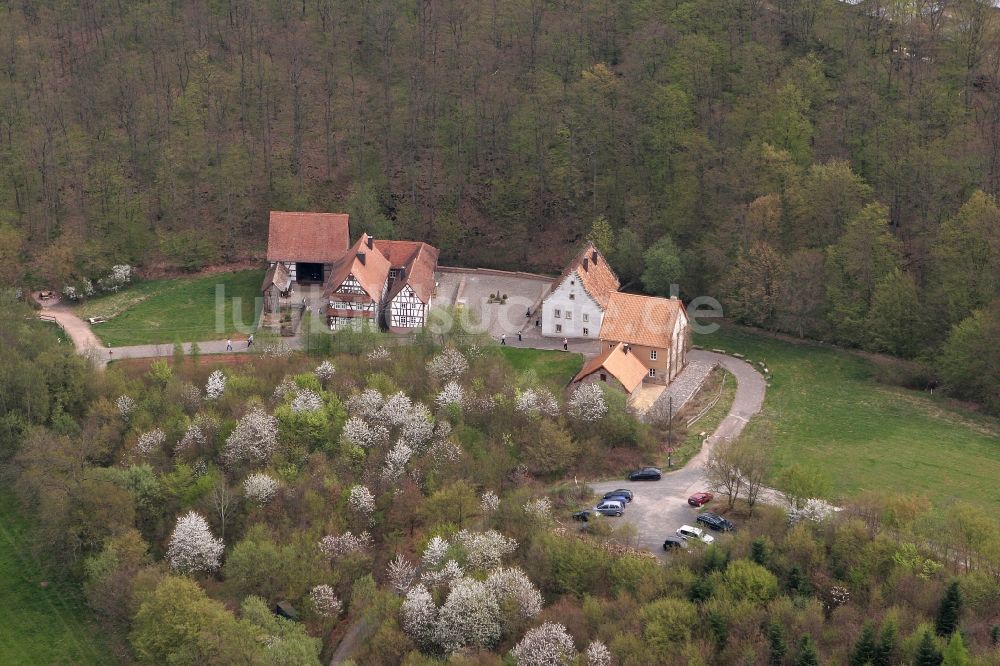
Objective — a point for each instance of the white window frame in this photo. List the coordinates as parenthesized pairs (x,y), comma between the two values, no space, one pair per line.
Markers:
(557,313)
(586,331)
(586,316)
(569,315)
(652,354)
(652,372)
(558,328)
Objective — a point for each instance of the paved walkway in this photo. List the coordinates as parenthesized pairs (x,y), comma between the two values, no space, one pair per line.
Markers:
(660,507)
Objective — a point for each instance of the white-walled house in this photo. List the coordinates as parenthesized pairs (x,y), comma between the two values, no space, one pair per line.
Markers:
(575,306)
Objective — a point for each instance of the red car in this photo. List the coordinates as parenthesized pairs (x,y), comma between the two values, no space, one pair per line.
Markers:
(700,499)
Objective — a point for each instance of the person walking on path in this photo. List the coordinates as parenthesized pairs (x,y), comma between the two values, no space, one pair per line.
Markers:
(503,339)
(229,344)
(519,336)
(565,344)
(250,341)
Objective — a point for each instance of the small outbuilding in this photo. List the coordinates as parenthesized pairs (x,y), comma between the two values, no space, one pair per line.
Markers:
(617,367)
(277,284)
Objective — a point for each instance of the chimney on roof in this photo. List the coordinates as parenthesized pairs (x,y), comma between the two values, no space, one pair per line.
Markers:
(593,257)
(361,258)
(370,242)
(586,264)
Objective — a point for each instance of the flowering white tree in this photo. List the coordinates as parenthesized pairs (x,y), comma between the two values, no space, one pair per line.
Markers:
(449,364)
(150,441)
(191,396)
(395,409)
(306,400)
(345,544)
(395,462)
(470,616)
(324,372)
(537,402)
(490,502)
(539,509)
(253,440)
(451,394)
(419,615)
(451,571)
(587,403)
(514,585)
(260,488)
(418,427)
(358,432)
(366,404)
(485,550)
(380,353)
(192,546)
(215,386)
(814,510)
(284,387)
(546,645)
(598,654)
(70,292)
(434,552)
(125,405)
(194,437)
(362,501)
(401,573)
(325,600)
(120,275)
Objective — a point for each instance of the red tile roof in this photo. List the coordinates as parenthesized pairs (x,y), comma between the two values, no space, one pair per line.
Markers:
(320,238)
(371,274)
(596,276)
(626,368)
(417,259)
(640,320)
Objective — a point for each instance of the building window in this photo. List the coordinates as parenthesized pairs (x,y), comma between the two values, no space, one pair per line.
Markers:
(393,273)
(557,313)
(611,345)
(569,314)
(572,297)
(652,354)
(572,282)
(652,372)
(586,331)
(586,316)
(558,328)
(604,377)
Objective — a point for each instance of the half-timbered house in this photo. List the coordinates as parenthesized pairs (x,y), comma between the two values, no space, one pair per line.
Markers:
(411,282)
(357,285)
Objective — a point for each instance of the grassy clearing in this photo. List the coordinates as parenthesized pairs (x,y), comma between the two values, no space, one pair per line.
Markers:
(42,625)
(827,411)
(181,310)
(553,369)
(720,384)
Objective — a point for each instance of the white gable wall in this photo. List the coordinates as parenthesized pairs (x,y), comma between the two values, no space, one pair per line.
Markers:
(570,297)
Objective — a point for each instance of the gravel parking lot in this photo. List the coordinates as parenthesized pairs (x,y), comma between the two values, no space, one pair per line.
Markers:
(472,288)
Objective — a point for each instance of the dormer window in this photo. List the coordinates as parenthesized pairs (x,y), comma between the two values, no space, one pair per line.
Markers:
(572,297)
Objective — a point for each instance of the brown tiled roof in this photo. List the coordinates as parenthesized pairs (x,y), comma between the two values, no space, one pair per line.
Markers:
(640,320)
(626,368)
(598,279)
(278,276)
(417,259)
(371,274)
(320,238)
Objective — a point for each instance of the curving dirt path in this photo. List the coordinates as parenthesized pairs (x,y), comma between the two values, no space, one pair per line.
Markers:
(660,507)
(77,329)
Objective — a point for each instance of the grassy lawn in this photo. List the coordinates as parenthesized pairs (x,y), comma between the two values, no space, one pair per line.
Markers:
(180,310)
(553,369)
(827,411)
(42,625)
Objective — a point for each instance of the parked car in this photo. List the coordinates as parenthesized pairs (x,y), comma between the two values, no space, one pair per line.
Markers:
(582,516)
(610,508)
(672,542)
(694,533)
(700,499)
(621,492)
(645,474)
(716,522)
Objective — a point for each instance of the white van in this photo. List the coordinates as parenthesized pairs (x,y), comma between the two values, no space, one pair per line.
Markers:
(694,534)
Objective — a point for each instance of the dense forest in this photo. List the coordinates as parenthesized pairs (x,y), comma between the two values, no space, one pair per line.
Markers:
(411,503)
(826,169)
